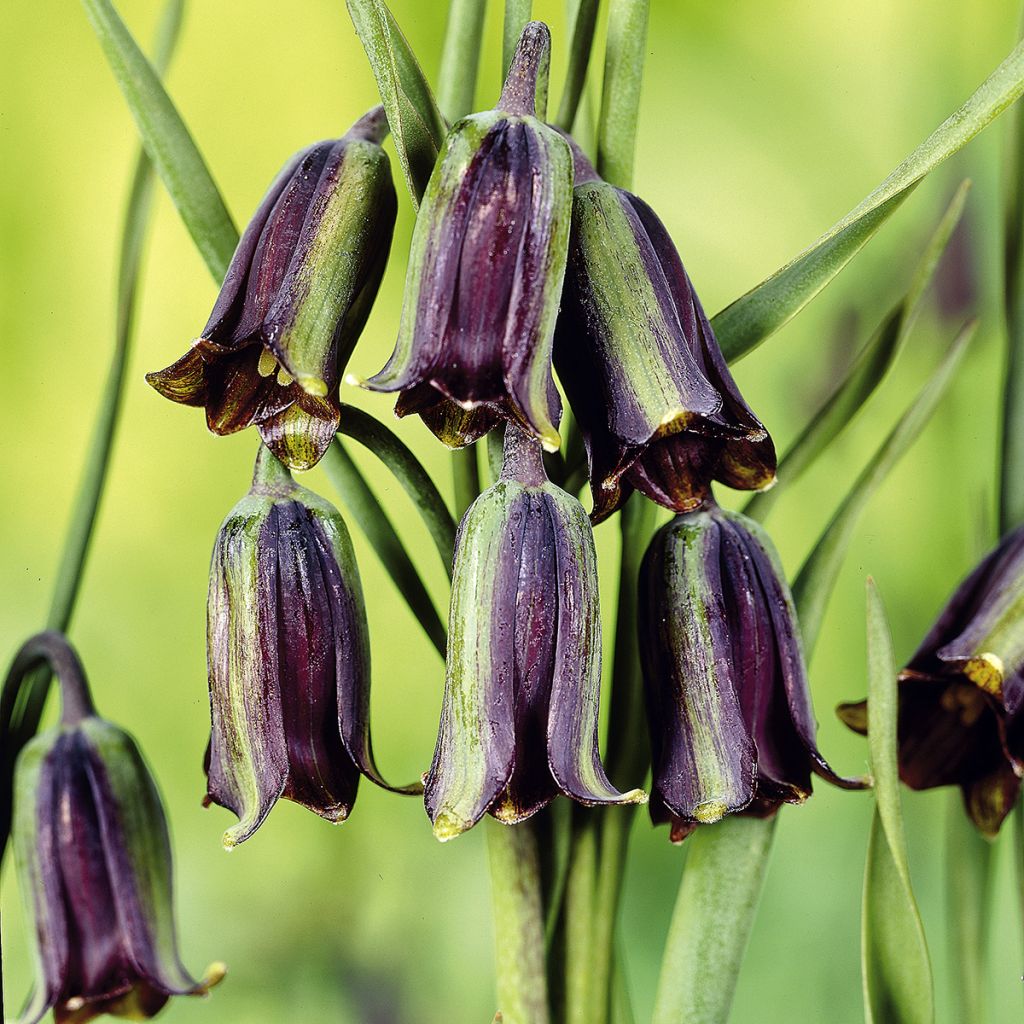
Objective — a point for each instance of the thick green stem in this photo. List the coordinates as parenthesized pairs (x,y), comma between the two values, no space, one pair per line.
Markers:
(579,920)
(620,96)
(518,923)
(725,871)
(517,14)
(465,479)
(460,58)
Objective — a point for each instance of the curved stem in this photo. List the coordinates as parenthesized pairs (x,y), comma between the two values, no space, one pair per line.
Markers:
(373,521)
(409,472)
(52,649)
(460,58)
(20,719)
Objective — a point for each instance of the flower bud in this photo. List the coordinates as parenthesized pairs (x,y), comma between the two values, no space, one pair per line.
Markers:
(295,299)
(960,719)
(94,864)
(288,656)
(640,365)
(728,705)
(485,271)
(519,723)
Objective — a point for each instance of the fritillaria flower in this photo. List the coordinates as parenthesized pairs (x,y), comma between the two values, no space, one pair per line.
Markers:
(485,271)
(288,655)
(295,299)
(960,697)
(520,715)
(728,705)
(640,365)
(94,863)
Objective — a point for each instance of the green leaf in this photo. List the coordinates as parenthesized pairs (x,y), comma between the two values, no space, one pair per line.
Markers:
(625,50)
(582,42)
(897,972)
(409,472)
(373,521)
(417,125)
(21,706)
(724,874)
(868,369)
(817,578)
(745,323)
(167,140)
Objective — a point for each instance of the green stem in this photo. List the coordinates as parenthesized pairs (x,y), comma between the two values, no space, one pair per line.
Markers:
(465,478)
(517,14)
(518,923)
(409,472)
(375,524)
(968,872)
(460,58)
(583,26)
(20,716)
(581,886)
(620,97)
(725,871)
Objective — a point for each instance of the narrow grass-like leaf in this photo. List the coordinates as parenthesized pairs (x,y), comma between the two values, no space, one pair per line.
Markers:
(625,49)
(867,371)
(373,521)
(814,583)
(460,57)
(714,913)
(167,140)
(745,323)
(517,14)
(582,42)
(21,707)
(897,972)
(417,125)
(409,472)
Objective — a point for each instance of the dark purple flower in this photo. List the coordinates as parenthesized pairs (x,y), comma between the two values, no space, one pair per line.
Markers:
(295,299)
(640,365)
(289,657)
(94,862)
(728,705)
(960,698)
(519,723)
(485,271)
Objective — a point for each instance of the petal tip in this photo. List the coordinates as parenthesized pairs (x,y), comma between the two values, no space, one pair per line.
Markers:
(449,826)
(710,811)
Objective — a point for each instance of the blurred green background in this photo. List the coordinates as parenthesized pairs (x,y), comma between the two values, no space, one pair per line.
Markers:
(763,121)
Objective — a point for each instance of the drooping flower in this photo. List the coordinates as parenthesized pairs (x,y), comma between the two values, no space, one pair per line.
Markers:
(728,704)
(485,271)
(296,296)
(642,370)
(520,715)
(288,656)
(960,698)
(94,863)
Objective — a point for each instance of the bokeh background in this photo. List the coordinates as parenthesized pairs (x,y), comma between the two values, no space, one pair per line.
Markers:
(763,121)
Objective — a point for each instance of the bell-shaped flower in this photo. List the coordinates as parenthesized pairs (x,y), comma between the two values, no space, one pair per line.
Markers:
(288,655)
(296,296)
(519,722)
(94,863)
(728,704)
(485,271)
(960,698)
(642,370)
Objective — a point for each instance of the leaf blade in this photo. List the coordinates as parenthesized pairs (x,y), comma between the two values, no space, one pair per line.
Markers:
(747,321)
(167,140)
(417,125)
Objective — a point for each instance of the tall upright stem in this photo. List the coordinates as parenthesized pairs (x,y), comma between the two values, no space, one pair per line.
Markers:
(517,14)
(518,923)
(460,58)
